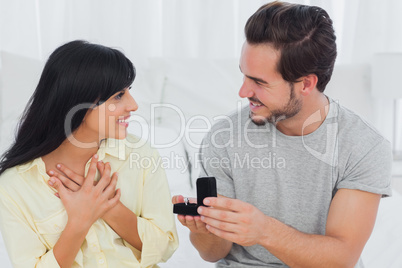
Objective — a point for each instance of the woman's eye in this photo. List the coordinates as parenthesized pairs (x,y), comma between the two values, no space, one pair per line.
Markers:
(119,96)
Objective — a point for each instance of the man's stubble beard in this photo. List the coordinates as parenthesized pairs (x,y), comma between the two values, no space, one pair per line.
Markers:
(292,108)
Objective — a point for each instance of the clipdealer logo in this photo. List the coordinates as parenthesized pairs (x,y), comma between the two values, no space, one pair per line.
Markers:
(330,154)
(244,161)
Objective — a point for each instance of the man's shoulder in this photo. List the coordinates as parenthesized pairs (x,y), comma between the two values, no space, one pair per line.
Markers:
(234,119)
(356,135)
(353,126)
(226,127)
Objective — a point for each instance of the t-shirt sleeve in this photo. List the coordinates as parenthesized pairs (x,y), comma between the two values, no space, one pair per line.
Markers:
(23,245)
(215,162)
(370,171)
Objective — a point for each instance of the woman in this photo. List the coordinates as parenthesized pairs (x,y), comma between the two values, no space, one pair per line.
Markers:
(59,206)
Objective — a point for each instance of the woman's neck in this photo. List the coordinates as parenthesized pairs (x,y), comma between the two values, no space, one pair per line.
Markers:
(72,155)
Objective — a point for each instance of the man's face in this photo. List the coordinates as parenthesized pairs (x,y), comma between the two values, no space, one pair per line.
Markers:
(271,98)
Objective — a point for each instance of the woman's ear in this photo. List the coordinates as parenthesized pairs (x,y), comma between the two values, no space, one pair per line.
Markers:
(309,84)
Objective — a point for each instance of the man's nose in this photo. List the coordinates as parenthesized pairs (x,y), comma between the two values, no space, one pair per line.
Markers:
(246,90)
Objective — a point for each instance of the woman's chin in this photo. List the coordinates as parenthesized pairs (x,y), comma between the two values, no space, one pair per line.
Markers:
(120,136)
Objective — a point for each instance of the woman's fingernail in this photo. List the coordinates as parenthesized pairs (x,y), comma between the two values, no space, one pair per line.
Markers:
(96,156)
(51,172)
(58,166)
(51,182)
(206,201)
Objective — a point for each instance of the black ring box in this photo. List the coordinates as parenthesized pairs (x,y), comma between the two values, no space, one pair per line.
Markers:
(206,187)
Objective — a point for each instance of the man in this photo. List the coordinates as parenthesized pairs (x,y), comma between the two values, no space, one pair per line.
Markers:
(299,176)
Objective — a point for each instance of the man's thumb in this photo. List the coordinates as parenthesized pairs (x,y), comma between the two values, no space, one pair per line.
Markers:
(177,199)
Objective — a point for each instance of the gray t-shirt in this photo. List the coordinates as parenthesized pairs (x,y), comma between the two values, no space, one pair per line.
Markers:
(293,178)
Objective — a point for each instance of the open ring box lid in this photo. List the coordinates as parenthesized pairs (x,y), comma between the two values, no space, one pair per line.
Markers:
(206,187)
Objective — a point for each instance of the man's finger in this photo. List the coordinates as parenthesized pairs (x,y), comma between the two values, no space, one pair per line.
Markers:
(192,200)
(193,223)
(220,214)
(177,199)
(190,222)
(224,203)
(181,199)
(200,224)
(221,225)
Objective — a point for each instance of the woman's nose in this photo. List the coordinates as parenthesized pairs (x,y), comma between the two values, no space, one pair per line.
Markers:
(132,104)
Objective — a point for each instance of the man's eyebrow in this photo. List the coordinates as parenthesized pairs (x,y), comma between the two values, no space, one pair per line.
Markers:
(258,80)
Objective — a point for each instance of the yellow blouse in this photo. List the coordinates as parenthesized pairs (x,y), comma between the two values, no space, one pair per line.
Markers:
(32,217)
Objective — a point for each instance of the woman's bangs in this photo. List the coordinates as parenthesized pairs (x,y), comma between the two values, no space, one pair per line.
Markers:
(120,74)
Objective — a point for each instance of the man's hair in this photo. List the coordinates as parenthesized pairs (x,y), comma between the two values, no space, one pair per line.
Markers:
(304,36)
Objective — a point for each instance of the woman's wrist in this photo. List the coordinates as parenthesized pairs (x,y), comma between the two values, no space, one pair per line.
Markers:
(111,212)
(69,243)
(77,227)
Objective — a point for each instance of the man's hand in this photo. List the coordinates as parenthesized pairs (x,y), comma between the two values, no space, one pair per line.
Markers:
(193,223)
(350,221)
(233,220)
(211,247)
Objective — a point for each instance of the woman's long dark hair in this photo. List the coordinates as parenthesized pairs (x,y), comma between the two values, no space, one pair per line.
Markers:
(76,73)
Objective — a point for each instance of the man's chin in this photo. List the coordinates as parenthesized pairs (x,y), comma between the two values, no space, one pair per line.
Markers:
(258,119)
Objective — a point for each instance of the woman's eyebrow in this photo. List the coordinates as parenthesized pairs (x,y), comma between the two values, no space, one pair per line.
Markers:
(118,92)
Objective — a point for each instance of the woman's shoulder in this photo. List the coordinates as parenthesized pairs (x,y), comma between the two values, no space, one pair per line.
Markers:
(133,139)
(11,179)
(132,144)
(8,175)
(139,145)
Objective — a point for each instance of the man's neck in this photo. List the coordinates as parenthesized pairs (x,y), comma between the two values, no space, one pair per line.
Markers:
(300,125)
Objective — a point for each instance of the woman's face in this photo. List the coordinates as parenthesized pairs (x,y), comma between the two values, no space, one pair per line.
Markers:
(110,119)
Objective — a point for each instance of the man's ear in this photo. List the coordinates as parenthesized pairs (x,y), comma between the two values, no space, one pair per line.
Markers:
(309,84)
